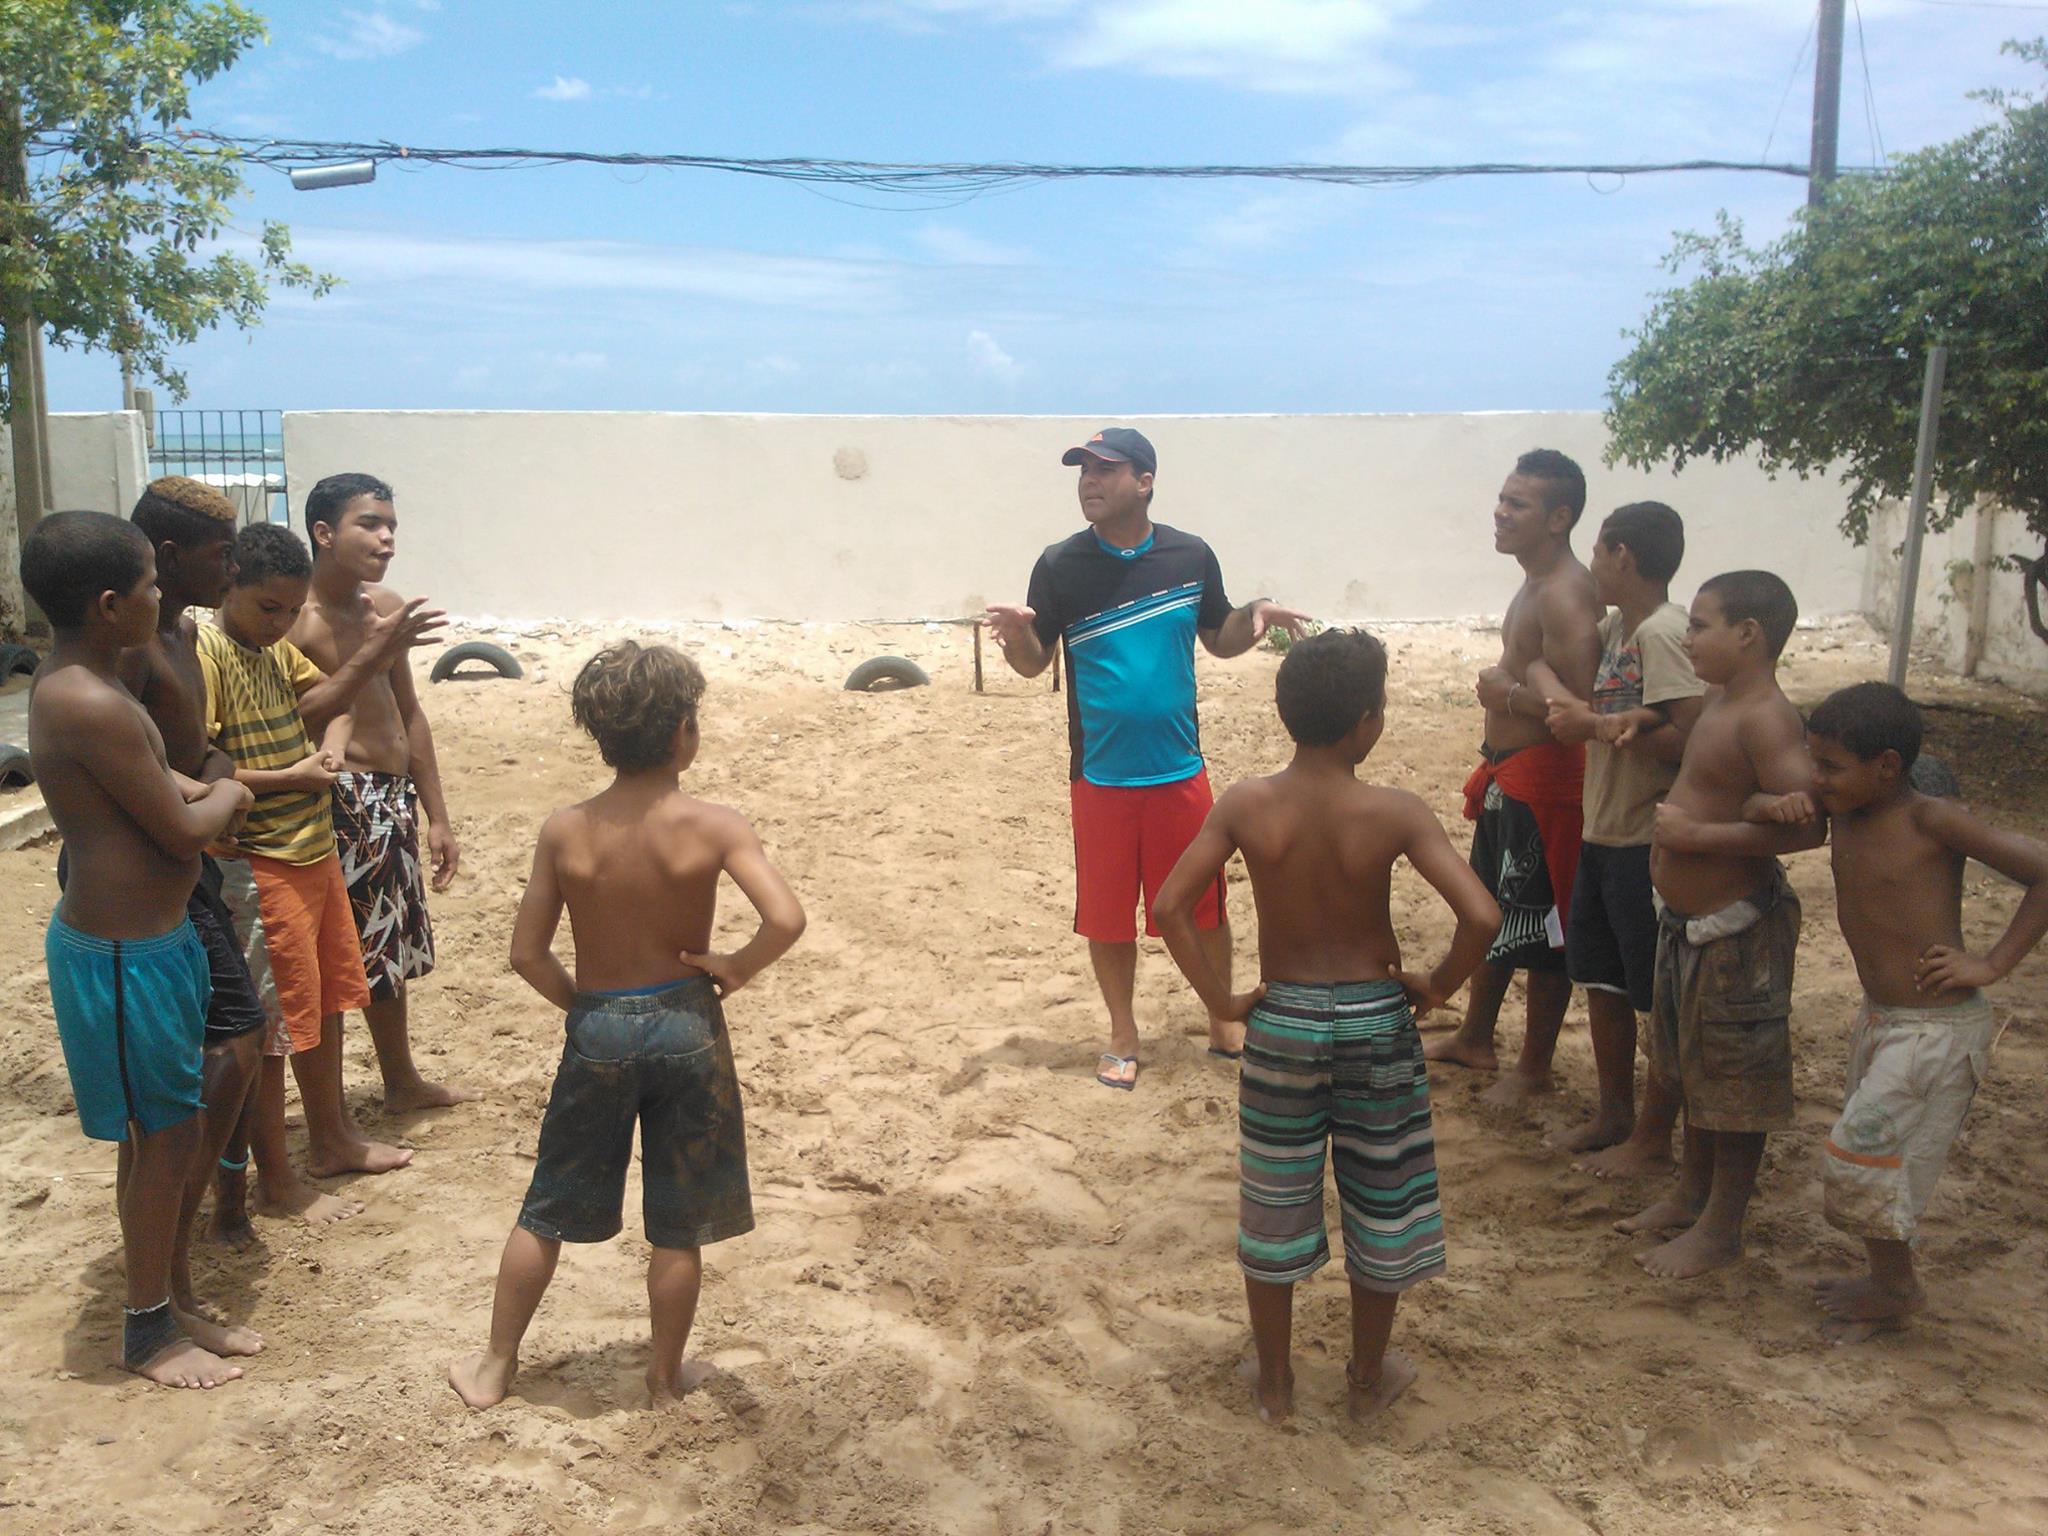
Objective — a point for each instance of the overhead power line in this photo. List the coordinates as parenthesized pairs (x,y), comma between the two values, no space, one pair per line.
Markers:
(918,179)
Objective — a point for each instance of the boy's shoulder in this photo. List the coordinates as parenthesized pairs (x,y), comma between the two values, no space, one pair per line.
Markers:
(70,698)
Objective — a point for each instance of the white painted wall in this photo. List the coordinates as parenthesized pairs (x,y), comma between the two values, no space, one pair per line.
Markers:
(603,516)
(1959,592)
(99,461)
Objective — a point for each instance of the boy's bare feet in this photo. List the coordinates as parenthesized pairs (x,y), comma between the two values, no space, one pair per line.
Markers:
(359,1157)
(1366,1400)
(483,1379)
(1693,1252)
(301,1200)
(1671,1214)
(421,1094)
(1861,1299)
(230,1222)
(1605,1130)
(1274,1404)
(666,1388)
(1460,1052)
(212,1333)
(1626,1160)
(1514,1089)
(182,1363)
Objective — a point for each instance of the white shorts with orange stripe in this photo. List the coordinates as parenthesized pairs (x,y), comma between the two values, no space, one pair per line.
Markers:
(1912,1075)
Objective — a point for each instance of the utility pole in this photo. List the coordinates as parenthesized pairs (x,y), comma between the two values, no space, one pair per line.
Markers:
(1827,101)
(20,335)
(1916,518)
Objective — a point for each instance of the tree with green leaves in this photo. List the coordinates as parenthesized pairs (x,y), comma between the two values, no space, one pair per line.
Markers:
(1808,351)
(111,243)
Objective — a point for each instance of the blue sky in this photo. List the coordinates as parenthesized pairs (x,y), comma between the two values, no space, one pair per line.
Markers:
(583,288)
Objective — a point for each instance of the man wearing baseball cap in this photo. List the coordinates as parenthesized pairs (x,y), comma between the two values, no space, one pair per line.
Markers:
(1128,598)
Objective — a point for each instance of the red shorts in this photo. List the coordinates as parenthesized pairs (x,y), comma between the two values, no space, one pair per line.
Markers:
(1125,842)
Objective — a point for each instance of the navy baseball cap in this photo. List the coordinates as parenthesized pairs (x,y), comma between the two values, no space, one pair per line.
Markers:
(1119,445)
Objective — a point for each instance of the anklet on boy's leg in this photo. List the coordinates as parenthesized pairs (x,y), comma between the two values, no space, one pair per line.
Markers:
(147,1332)
(234,1167)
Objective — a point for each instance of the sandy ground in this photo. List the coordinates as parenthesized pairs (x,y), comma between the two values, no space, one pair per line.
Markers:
(986,1295)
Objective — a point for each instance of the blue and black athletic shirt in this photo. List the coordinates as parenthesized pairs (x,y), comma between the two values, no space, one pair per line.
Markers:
(1128,619)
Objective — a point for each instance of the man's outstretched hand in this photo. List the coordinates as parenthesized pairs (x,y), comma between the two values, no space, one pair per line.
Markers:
(1270,615)
(1010,622)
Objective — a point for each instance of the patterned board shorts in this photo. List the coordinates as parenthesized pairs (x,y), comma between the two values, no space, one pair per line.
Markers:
(1337,1067)
(1508,854)
(376,829)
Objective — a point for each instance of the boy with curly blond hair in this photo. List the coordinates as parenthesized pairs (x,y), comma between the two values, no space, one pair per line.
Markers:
(637,866)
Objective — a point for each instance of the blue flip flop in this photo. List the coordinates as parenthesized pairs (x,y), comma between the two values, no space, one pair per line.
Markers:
(1119,1063)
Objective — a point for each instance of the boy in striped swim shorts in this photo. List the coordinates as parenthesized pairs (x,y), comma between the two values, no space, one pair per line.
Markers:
(1332,1058)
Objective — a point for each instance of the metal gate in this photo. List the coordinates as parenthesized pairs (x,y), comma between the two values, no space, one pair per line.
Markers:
(241,453)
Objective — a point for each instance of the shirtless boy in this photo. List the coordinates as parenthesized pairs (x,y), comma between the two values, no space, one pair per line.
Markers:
(1526,794)
(128,976)
(637,865)
(1720,1028)
(391,774)
(1923,1035)
(261,695)
(1644,702)
(191,526)
(1331,1053)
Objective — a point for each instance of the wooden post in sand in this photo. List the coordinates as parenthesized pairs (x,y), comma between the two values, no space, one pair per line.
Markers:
(977,656)
(1055,670)
(1916,517)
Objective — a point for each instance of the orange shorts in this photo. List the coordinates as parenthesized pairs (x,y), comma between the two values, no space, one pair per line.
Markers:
(315,957)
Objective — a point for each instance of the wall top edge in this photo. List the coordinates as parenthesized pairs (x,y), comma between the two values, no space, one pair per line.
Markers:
(911,416)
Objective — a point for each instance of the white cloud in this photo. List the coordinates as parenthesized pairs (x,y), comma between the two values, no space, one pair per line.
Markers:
(989,356)
(582,361)
(575,88)
(776,365)
(472,374)
(368,35)
(961,248)
(489,267)
(1336,46)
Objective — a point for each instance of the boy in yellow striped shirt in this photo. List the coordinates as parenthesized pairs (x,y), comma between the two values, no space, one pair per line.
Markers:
(257,686)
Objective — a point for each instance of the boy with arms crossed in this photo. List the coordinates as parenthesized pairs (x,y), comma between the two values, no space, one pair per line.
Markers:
(1645,699)
(1525,799)
(1720,1030)
(128,976)
(261,692)
(637,866)
(1923,1035)
(191,527)
(391,772)
(1331,1052)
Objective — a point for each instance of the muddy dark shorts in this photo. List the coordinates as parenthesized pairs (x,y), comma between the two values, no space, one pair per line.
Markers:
(1721,1028)
(660,1060)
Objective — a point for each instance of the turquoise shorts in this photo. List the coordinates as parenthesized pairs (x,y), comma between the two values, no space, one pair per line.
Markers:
(131,1014)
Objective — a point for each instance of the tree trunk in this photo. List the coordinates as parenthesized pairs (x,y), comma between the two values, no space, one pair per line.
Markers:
(13,610)
(2036,574)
